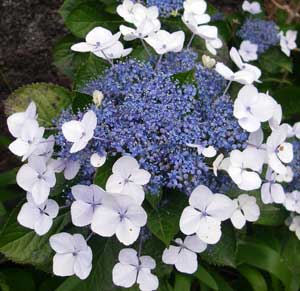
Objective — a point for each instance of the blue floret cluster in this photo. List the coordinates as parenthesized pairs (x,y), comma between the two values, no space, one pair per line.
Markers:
(264,33)
(148,114)
(166,7)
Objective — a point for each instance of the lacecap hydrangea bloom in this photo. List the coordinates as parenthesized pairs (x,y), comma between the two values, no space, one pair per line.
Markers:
(264,33)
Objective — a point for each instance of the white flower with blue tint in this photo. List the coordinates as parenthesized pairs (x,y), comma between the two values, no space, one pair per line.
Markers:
(183,255)
(252,7)
(97,161)
(119,215)
(295,225)
(292,201)
(38,217)
(128,179)
(208,152)
(37,178)
(132,269)
(288,41)
(87,200)
(248,51)
(80,132)
(69,167)
(204,215)
(246,209)
(73,255)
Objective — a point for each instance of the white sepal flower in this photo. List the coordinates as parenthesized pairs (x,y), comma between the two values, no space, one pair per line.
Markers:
(276,118)
(246,209)
(213,44)
(73,255)
(128,179)
(30,137)
(116,51)
(80,132)
(69,167)
(16,121)
(220,164)
(288,41)
(119,215)
(208,152)
(248,51)
(253,8)
(236,58)
(243,76)
(96,41)
(251,108)
(279,151)
(272,192)
(87,200)
(204,215)
(45,147)
(287,177)
(132,269)
(292,201)
(295,225)
(243,168)
(164,42)
(38,217)
(184,255)
(97,161)
(125,10)
(197,7)
(37,178)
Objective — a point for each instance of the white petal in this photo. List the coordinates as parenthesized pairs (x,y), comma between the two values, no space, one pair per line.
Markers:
(115,183)
(97,161)
(147,262)
(126,232)
(224,71)
(63,265)
(19,147)
(190,220)
(209,230)
(125,166)
(186,262)
(62,243)
(221,207)
(40,191)
(195,244)
(71,169)
(26,177)
(124,275)
(43,224)
(72,130)
(201,197)
(134,191)
(147,281)
(128,256)
(170,255)
(83,264)
(238,219)
(140,177)
(285,153)
(28,215)
(81,213)
(81,47)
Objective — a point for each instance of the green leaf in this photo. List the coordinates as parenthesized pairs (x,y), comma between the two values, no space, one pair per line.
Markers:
(223,284)
(164,222)
(18,279)
(224,252)
(206,278)
(105,256)
(69,5)
(86,16)
(265,258)
(2,209)
(81,101)
(67,61)
(291,254)
(8,177)
(91,69)
(185,77)
(274,61)
(23,246)
(271,215)
(289,98)
(49,99)
(182,282)
(254,277)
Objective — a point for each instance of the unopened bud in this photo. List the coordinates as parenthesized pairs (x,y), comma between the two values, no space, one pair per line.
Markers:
(208,62)
(97,97)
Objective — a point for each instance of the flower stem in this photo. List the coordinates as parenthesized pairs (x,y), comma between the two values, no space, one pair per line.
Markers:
(158,62)
(227,88)
(89,236)
(145,47)
(191,40)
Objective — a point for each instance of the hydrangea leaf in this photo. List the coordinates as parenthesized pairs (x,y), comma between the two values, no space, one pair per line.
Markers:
(206,278)
(182,282)
(224,252)
(81,101)
(263,257)
(254,277)
(86,16)
(50,99)
(68,6)
(23,246)
(274,61)
(291,253)
(163,222)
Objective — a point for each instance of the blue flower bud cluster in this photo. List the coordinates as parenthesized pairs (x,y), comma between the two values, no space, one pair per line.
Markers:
(147,113)
(264,33)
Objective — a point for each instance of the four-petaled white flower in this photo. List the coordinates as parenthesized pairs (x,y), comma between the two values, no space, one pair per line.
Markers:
(208,152)
(80,132)
(69,167)
(125,10)
(252,7)
(251,108)
(30,137)
(128,179)
(97,161)
(272,192)
(133,269)
(279,152)
(45,148)
(288,41)
(246,209)
(38,217)
(164,42)
(73,255)
(119,215)
(236,58)
(184,255)
(37,178)
(204,215)
(16,121)
(87,200)
(295,225)
(197,7)
(248,51)
(101,42)
(287,177)
(292,201)
(243,168)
